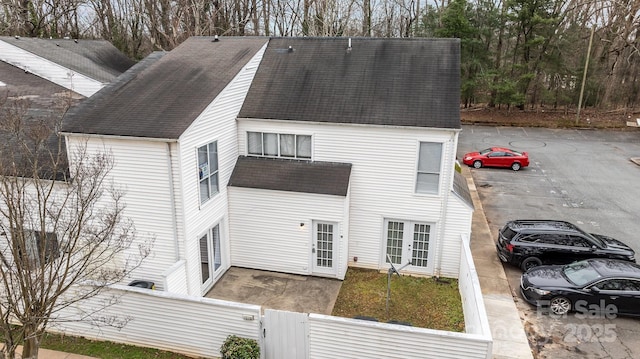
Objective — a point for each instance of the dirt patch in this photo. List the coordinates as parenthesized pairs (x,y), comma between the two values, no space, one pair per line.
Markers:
(589,118)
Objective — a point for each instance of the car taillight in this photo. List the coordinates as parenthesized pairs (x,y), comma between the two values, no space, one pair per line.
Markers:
(510,247)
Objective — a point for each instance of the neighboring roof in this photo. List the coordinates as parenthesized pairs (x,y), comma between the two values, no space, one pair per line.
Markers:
(38,104)
(291,175)
(461,189)
(97,59)
(163,98)
(379,81)
(40,92)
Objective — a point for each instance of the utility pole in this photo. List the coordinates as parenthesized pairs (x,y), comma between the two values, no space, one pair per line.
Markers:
(584,74)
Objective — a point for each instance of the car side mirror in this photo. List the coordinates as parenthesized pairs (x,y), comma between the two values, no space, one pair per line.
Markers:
(594,247)
(595,289)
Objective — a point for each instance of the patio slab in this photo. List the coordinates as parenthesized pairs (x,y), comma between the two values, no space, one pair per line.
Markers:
(296,293)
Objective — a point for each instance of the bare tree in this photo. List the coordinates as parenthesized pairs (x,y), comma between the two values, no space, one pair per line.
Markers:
(63,233)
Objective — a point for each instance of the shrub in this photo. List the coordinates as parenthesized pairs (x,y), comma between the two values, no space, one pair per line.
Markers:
(235,347)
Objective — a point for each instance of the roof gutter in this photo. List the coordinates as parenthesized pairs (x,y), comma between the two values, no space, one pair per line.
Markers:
(118,137)
(448,129)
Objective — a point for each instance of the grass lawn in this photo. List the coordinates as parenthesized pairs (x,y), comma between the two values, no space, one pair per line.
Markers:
(104,350)
(423,302)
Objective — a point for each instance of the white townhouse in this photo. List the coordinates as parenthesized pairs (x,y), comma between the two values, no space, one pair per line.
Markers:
(296,155)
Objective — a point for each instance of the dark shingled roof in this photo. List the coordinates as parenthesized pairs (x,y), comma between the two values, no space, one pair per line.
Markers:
(402,82)
(97,59)
(39,105)
(162,99)
(291,175)
(461,189)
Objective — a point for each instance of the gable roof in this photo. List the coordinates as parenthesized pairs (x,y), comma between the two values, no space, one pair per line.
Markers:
(97,59)
(291,175)
(401,82)
(38,104)
(162,99)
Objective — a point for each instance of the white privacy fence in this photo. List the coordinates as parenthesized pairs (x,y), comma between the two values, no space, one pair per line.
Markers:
(199,326)
(475,315)
(189,325)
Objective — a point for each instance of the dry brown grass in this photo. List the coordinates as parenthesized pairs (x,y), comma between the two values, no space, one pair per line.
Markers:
(422,302)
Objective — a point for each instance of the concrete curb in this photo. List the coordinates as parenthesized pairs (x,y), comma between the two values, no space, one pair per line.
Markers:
(507,330)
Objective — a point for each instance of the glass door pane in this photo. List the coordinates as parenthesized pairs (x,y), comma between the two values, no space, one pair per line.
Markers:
(395,232)
(204,258)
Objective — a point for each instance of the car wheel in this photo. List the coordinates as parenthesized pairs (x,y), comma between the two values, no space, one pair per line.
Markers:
(530,263)
(560,305)
(477,164)
(515,166)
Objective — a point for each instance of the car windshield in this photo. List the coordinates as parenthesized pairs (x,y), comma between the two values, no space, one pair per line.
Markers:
(485,151)
(580,273)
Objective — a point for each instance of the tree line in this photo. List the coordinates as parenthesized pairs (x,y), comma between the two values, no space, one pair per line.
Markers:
(514,53)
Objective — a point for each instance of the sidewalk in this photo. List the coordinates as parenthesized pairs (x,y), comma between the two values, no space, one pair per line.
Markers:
(509,338)
(52,354)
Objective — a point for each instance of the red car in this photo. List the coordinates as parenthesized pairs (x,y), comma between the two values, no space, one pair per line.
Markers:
(497,157)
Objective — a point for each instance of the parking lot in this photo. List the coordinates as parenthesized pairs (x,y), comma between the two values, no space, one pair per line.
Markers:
(581,176)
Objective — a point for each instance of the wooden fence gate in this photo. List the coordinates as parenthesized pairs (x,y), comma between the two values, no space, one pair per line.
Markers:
(286,334)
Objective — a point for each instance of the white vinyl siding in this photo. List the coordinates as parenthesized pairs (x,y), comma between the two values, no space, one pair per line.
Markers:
(142,171)
(216,123)
(383,178)
(458,221)
(48,70)
(273,230)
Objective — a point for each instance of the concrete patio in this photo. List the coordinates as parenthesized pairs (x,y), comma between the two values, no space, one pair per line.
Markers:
(280,291)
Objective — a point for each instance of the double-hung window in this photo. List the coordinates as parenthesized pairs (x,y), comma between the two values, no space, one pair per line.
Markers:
(428,179)
(279,145)
(208,170)
(41,247)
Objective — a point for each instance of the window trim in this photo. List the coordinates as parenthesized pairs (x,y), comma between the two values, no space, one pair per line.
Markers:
(279,135)
(34,248)
(418,171)
(216,173)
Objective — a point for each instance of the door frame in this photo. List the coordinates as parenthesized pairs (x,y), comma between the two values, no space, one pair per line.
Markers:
(408,235)
(214,274)
(321,271)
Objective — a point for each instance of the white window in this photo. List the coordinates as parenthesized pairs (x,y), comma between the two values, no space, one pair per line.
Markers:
(41,247)
(208,170)
(279,145)
(406,242)
(428,179)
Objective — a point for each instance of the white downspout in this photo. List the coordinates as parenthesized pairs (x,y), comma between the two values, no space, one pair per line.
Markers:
(173,204)
(449,167)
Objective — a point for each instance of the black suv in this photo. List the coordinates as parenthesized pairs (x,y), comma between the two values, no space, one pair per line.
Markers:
(530,243)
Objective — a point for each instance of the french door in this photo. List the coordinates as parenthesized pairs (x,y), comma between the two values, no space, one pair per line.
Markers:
(324,248)
(210,256)
(407,242)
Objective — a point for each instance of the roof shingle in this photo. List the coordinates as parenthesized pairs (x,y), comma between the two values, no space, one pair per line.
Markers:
(399,82)
(162,98)
(291,175)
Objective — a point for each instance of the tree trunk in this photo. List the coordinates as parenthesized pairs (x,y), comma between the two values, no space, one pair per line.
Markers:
(30,347)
